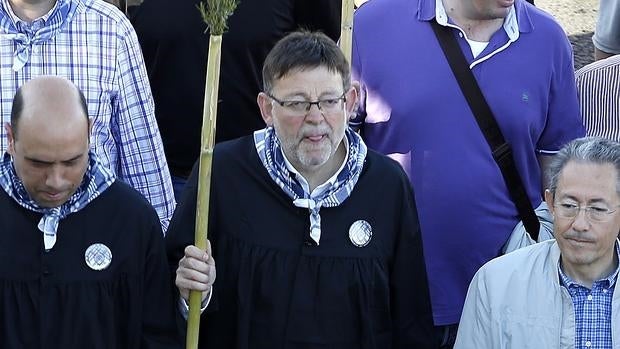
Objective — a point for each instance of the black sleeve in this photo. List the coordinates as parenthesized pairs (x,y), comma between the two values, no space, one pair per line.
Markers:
(323,15)
(159,328)
(412,316)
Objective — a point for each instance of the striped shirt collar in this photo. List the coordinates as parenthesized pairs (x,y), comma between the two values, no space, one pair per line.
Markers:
(610,280)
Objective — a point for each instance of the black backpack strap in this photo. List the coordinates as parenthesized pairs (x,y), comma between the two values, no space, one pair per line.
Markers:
(502,153)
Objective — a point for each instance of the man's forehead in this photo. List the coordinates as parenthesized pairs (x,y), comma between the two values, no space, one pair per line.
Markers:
(40,120)
(574,171)
(309,81)
(47,110)
(65,157)
(585,197)
(310,72)
(588,181)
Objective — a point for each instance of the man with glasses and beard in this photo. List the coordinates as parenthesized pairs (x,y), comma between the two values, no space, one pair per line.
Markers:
(316,238)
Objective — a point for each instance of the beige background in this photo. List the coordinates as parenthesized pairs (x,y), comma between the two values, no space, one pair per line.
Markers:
(578,18)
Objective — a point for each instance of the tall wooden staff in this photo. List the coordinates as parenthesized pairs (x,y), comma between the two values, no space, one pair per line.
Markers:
(346,29)
(214,15)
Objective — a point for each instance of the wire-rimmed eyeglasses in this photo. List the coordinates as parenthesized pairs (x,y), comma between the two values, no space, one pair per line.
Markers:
(325,105)
(595,213)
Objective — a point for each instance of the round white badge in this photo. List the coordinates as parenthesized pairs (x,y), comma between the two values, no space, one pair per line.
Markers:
(360,233)
(98,256)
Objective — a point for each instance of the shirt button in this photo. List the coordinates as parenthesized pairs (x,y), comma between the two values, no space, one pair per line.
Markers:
(460,34)
(604,290)
(589,298)
(588,344)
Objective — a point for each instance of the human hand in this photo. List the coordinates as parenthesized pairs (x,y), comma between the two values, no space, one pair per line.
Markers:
(196,271)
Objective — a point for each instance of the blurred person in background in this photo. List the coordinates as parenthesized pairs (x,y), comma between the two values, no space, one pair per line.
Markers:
(174,42)
(606,36)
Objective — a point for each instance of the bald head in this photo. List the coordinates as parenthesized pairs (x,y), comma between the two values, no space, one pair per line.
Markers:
(51,100)
(49,139)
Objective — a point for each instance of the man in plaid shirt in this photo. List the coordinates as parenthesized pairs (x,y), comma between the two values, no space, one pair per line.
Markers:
(559,293)
(91,43)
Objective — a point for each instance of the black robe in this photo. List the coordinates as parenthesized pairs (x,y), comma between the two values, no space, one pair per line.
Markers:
(275,288)
(54,299)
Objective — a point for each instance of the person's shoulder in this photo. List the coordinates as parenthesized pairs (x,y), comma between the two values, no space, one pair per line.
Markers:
(122,203)
(520,262)
(382,161)
(542,22)
(237,148)
(233,145)
(131,201)
(609,66)
(385,167)
(104,11)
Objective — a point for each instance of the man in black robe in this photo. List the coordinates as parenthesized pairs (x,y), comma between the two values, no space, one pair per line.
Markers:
(82,258)
(316,238)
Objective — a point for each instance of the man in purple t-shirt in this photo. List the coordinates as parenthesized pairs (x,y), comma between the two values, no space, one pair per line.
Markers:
(413,110)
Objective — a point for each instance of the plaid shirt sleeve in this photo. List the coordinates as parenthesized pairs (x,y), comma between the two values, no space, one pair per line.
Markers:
(96,47)
(142,162)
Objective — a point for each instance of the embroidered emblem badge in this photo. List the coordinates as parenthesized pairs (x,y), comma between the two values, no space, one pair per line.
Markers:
(360,233)
(98,256)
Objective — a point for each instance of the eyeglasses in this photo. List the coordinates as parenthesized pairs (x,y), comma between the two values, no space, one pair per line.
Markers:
(593,213)
(326,105)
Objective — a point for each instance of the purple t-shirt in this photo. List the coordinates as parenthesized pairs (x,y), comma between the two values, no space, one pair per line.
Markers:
(413,110)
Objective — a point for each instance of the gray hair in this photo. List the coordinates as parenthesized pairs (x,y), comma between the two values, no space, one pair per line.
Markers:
(587,149)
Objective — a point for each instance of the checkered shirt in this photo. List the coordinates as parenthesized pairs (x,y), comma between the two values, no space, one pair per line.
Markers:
(592,309)
(98,50)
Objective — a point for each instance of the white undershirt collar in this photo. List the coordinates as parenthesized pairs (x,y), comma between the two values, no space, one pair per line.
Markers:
(511,26)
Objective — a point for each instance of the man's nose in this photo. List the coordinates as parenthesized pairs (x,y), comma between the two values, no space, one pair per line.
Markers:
(55,177)
(581,221)
(314,114)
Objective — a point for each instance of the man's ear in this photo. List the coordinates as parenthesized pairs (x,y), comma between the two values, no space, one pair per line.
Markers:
(90,128)
(549,200)
(352,99)
(11,138)
(266,108)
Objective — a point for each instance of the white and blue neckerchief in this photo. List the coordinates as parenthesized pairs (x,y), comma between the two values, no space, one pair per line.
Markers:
(270,152)
(97,179)
(26,35)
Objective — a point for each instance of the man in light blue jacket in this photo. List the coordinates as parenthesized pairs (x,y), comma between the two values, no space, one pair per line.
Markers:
(560,293)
